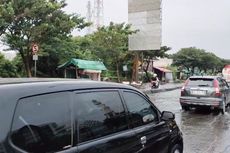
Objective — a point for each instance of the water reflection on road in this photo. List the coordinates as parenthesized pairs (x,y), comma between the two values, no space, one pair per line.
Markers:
(204,131)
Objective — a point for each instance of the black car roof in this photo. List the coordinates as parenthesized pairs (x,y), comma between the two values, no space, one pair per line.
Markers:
(31,86)
(11,90)
(30,80)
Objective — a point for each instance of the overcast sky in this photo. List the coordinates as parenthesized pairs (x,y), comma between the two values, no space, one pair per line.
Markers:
(203,24)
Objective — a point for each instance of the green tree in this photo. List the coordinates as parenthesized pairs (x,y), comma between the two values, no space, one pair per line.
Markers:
(193,58)
(55,52)
(84,48)
(209,61)
(150,55)
(111,45)
(7,68)
(23,22)
(189,58)
(20,70)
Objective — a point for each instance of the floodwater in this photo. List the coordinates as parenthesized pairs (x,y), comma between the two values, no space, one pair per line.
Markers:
(204,131)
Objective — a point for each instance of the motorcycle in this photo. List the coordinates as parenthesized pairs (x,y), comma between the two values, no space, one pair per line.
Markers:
(155,84)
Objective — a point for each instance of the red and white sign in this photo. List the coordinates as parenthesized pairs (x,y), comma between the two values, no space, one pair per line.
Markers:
(34,48)
(226,73)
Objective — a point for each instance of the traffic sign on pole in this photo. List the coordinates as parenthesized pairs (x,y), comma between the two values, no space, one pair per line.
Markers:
(34,48)
(35,57)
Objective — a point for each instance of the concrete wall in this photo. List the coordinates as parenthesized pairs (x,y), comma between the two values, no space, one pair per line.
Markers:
(145,16)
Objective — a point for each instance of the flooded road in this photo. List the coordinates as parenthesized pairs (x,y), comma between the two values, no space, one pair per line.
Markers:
(204,131)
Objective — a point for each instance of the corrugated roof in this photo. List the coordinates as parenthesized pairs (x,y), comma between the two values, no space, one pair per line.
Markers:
(84,64)
(163,69)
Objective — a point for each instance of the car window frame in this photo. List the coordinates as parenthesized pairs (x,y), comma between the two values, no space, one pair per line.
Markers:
(77,136)
(10,142)
(221,82)
(147,99)
(225,83)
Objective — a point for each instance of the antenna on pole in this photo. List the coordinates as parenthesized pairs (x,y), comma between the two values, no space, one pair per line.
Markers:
(95,15)
(98,13)
(89,16)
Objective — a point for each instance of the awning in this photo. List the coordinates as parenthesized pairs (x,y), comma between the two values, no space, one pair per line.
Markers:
(163,69)
(84,64)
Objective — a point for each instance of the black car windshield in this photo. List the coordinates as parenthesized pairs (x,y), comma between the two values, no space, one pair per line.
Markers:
(200,82)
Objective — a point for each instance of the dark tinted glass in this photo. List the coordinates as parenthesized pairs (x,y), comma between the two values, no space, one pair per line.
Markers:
(140,110)
(99,114)
(200,82)
(2,149)
(42,123)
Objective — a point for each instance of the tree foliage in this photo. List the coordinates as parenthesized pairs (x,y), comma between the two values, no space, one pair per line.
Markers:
(84,48)
(111,45)
(151,55)
(7,68)
(193,58)
(23,22)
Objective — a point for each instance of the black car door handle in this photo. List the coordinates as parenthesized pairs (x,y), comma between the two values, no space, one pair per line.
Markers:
(143,141)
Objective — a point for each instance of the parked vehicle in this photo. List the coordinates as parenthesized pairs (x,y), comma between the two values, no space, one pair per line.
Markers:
(205,91)
(82,116)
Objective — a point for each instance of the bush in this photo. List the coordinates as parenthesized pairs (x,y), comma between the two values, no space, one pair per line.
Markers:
(145,77)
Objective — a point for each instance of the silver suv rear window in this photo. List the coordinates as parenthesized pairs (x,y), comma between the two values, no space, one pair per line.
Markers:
(200,82)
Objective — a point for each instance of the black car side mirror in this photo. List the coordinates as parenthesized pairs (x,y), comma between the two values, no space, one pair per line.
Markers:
(167,116)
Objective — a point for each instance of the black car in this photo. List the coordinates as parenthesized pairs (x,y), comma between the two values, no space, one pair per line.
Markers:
(80,116)
(205,91)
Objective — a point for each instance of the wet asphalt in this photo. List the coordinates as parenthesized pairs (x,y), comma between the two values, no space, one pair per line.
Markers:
(204,131)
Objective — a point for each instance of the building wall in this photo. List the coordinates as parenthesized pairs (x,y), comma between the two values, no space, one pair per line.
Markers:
(163,62)
(145,15)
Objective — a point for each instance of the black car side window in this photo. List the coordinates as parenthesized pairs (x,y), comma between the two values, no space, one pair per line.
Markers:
(43,123)
(99,114)
(140,110)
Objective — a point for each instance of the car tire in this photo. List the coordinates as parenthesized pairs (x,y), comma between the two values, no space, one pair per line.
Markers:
(176,149)
(186,108)
(227,104)
(224,107)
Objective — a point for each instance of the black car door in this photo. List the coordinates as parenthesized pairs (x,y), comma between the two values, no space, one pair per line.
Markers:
(101,123)
(153,135)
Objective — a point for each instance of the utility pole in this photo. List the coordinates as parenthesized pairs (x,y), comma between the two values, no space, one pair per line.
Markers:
(135,68)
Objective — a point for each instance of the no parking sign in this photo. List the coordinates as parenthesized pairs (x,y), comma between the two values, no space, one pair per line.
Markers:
(34,48)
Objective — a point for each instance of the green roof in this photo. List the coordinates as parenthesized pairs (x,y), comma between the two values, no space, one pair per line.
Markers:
(84,64)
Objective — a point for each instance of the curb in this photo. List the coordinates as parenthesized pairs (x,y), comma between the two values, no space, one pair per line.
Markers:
(160,90)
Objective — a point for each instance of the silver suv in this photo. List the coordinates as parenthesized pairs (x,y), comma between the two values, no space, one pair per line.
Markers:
(205,91)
